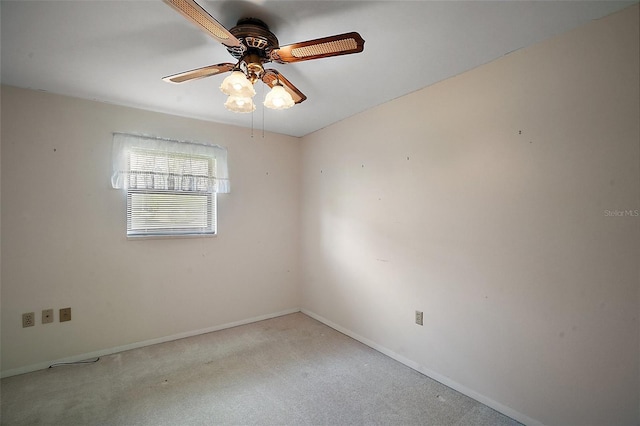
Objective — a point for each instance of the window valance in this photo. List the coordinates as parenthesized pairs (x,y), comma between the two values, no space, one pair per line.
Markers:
(146,162)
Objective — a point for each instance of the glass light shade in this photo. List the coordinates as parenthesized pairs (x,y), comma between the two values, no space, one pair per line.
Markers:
(237,84)
(240,104)
(278,98)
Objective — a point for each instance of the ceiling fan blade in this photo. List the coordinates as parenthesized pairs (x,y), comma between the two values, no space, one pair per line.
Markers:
(199,73)
(271,78)
(196,14)
(342,44)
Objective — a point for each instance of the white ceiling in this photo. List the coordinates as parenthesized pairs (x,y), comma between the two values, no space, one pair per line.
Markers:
(118,51)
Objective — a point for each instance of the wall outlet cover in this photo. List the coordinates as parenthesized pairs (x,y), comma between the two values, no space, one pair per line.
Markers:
(47,316)
(28,319)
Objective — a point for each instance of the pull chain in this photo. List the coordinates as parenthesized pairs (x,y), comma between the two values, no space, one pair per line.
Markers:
(252,124)
(263,112)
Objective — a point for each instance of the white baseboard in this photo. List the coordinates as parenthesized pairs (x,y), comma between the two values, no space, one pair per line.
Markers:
(429,373)
(110,351)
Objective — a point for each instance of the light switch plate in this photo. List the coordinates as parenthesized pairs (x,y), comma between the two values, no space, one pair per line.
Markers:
(65,314)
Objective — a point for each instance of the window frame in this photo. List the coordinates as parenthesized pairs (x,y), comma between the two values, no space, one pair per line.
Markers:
(172,165)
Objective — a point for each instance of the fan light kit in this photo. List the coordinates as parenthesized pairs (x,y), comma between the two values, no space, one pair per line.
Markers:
(253,45)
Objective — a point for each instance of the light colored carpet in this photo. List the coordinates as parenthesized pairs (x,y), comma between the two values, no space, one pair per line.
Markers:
(290,370)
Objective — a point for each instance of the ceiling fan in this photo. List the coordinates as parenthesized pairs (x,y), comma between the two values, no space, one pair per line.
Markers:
(252,44)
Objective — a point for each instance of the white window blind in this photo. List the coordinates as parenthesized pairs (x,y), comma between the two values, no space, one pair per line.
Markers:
(171,186)
(170,213)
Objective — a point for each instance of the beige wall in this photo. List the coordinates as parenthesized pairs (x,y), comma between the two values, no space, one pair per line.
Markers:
(481,201)
(64,241)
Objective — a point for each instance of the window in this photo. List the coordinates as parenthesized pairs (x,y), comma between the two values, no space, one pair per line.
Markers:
(168,194)
(171,186)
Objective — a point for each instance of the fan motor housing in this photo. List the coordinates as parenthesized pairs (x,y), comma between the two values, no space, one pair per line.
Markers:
(255,38)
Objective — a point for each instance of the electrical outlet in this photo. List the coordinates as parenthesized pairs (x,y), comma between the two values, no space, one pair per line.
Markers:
(47,316)
(28,319)
(419,317)
(65,314)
